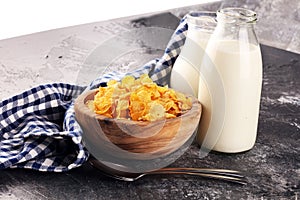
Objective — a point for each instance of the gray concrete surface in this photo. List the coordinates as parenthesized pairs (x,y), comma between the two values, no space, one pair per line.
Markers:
(278,20)
(57,55)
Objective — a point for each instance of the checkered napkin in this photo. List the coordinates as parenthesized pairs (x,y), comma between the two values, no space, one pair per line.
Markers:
(38,129)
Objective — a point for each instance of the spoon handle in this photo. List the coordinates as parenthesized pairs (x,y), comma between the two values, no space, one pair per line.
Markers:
(222,174)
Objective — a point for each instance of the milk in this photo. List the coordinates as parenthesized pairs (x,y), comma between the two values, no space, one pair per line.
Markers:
(230,108)
(185,72)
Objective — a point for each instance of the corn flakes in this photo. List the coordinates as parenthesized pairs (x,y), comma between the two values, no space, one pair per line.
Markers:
(139,99)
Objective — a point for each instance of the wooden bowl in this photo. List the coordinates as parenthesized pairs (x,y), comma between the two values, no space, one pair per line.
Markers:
(130,139)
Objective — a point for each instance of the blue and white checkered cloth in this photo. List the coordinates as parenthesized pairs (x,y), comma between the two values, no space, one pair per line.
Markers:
(38,129)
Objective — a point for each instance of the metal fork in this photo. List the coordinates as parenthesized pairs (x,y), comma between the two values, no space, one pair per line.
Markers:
(221,174)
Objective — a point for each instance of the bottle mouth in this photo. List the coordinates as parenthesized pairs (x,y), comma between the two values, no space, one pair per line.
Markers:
(237,16)
(202,19)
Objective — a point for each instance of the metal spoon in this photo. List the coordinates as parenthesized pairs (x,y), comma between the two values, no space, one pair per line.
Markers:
(221,174)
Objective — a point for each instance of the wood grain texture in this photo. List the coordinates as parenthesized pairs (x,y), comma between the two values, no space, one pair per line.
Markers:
(155,138)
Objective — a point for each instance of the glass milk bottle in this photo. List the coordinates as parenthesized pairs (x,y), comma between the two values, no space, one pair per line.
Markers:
(233,75)
(185,72)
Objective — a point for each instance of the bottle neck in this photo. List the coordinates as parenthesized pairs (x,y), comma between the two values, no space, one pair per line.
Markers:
(201,24)
(236,24)
(236,16)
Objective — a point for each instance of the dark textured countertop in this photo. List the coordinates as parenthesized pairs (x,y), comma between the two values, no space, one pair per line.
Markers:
(272,166)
